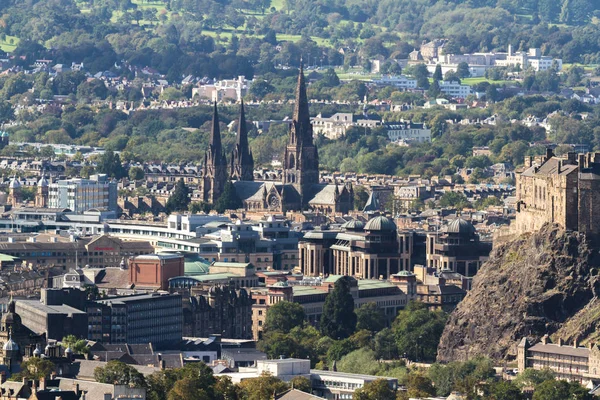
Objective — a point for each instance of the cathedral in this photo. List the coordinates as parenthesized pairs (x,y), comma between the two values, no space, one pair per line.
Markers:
(301,188)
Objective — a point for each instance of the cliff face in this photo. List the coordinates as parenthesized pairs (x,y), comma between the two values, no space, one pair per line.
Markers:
(539,283)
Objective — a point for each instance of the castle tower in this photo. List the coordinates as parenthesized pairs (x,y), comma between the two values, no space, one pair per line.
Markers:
(214,173)
(41,197)
(14,192)
(242,163)
(301,161)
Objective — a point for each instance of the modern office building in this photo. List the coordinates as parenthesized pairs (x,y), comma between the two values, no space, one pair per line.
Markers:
(55,321)
(79,195)
(155,318)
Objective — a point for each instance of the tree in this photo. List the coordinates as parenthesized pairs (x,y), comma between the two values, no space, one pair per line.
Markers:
(188,389)
(378,389)
(34,368)
(136,173)
(421,74)
(110,164)
(454,200)
(462,70)
(229,199)
(533,377)
(301,383)
(418,330)
(560,390)
(418,385)
(197,207)
(437,75)
(179,199)
(339,319)
(7,112)
(504,390)
(261,388)
(284,316)
(434,90)
(118,373)
(385,345)
(79,346)
(370,317)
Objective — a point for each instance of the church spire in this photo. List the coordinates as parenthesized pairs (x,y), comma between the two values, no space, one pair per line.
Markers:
(242,163)
(215,164)
(301,128)
(215,133)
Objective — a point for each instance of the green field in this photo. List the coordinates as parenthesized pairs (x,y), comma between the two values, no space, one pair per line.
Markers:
(9,43)
(475,81)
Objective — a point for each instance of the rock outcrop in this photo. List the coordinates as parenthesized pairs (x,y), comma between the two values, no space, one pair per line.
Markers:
(545,282)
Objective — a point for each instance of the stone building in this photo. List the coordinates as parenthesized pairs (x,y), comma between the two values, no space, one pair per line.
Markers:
(363,250)
(214,170)
(573,363)
(242,162)
(564,191)
(222,310)
(457,248)
(16,338)
(300,188)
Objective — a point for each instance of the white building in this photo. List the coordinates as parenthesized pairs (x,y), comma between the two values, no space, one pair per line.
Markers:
(455,89)
(79,195)
(233,89)
(405,132)
(400,81)
(327,384)
(531,59)
(335,126)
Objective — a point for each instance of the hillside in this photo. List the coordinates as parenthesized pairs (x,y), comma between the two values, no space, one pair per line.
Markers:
(539,283)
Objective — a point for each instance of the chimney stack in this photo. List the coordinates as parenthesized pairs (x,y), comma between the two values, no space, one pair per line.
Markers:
(560,342)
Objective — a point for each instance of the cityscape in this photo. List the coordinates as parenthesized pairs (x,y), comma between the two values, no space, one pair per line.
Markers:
(299,200)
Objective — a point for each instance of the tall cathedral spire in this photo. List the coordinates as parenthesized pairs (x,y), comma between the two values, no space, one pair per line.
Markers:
(215,164)
(301,129)
(301,163)
(242,163)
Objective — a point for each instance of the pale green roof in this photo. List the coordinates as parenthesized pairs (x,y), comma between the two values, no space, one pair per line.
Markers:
(7,258)
(233,265)
(214,277)
(332,278)
(193,268)
(307,291)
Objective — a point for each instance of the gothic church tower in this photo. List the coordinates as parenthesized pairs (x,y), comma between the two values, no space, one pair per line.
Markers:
(242,163)
(301,163)
(214,172)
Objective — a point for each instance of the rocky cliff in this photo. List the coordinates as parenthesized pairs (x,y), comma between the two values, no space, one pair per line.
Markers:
(546,282)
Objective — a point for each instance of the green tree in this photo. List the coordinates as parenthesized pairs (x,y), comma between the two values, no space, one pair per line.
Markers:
(339,319)
(437,75)
(418,330)
(229,199)
(118,373)
(418,385)
(301,383)
(261,388)
(454,200)
(284,316)
(188,389)
(378,389)
(533,377)
(197,207)
(560,390)
(136,173)
(370,317)
(462,70)
(79,346)
(179,199)
(110,164)
(34,368)
(434,90)
(421,74)
(504,390)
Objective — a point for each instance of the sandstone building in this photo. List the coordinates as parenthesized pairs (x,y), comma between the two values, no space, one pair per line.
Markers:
(564,191)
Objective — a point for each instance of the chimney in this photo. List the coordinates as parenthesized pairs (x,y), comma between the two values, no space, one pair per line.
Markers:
(549,154)
(76,388)
(43,383)
(575,343)
(107,396)
(581,161)
(572,157)
(560,342)
(545,339)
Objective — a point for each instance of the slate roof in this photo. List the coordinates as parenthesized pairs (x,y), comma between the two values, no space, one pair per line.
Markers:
(295,394)
(551,348)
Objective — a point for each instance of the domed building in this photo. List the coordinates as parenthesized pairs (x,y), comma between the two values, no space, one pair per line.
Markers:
(457,248)
(368,250)
(16,340)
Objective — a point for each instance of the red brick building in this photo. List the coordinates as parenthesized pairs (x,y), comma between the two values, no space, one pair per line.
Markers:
(155,270)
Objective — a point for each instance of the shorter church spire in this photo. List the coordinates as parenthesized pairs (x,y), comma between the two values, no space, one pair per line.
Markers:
(242,162)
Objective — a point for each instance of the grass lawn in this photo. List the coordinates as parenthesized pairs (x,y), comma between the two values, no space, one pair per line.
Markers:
(475,81)
(278,4)
(9,44)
